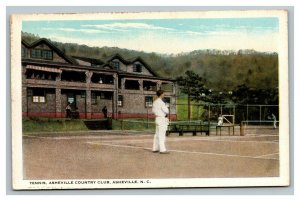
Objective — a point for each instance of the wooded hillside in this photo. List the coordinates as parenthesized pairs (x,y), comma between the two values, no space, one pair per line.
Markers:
(222,70)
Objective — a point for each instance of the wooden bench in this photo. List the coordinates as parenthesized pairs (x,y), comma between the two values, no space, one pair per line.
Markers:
(188,128)
(219,127)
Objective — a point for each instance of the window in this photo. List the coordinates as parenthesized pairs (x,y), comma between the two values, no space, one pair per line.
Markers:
(116,65)
(24,52)
(120,101)
(47,54)
(167,101)
(42,54)
(137,68)
(94,98)
(38,95)
(38,99)
(36,54)
(106,95)
(148,101)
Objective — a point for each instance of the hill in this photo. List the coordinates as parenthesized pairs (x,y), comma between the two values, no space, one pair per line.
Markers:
(223,70)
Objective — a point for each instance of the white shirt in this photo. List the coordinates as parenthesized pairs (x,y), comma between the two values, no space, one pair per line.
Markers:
(159,108)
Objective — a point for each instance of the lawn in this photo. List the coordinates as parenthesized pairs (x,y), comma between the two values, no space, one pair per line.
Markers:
(182,109)
(55,125)
(52,125)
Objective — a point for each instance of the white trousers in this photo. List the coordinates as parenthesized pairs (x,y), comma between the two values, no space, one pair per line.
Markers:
(160,134)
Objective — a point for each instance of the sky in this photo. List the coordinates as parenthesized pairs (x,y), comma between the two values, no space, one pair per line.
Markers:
(166,36)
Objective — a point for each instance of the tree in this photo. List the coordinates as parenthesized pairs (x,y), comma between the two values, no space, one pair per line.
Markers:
(194,86)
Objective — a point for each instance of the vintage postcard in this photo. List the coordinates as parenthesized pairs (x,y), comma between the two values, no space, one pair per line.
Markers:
(150,100)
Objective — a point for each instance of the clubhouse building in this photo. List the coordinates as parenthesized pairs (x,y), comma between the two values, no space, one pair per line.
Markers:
(51,80)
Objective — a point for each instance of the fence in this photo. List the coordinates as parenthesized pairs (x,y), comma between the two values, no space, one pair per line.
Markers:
(210,112)
(206,113)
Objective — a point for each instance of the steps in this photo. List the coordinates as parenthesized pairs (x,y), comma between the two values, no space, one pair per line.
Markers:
(100,124)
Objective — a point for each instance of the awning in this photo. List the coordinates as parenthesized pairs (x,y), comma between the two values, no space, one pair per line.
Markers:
(42,68)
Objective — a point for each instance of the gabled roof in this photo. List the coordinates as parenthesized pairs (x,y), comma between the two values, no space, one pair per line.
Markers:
(106,65)
(102,64)
(53,47)
(25,44)
(91,60)
(131,61)
(117,56)
(139,59)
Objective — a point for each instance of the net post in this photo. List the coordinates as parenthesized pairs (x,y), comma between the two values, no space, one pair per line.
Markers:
(209,112)
(260,114)
(242,129)
(233,114)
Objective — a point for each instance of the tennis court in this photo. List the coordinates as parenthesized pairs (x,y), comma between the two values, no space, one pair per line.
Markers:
(127,154)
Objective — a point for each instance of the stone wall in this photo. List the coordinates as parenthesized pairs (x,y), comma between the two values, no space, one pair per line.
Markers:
(48,106)
(56,101)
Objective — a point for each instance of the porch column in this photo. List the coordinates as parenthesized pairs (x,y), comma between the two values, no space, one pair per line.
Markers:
(88,102)
(88,76)
(58,78)
(158,85)
(115,77)
(115,97)
(123,83)
(141,85)
(58,112)
(115,105)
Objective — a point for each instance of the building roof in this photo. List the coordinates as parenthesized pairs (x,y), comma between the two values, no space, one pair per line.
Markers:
(25,44)
(131,61)
(91,60)
(116,56)
(103,65)
(139,59)
(58,64)
(53,47)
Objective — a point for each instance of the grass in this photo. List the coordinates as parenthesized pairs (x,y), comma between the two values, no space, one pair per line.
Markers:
(52,125)
(31,125)
(56,125)
(182,109)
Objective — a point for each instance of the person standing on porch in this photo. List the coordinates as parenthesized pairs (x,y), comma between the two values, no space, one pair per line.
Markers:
(161,111)
(68,110)
(104,110)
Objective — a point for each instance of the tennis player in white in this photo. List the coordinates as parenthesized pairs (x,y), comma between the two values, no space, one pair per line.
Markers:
(161,112)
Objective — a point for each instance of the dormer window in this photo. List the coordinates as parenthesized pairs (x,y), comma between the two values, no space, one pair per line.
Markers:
(137,68)
(41,54)
(36,54)
(115,65)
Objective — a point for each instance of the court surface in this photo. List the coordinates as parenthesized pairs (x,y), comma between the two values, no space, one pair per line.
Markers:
(117,154)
